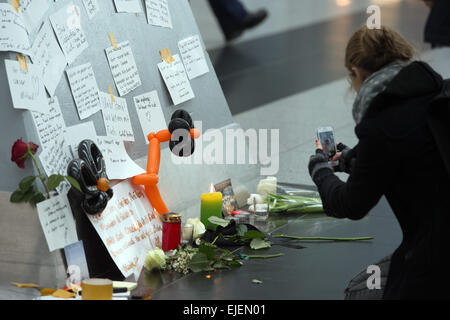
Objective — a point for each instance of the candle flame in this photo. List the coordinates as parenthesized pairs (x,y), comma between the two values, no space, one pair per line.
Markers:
(211,188)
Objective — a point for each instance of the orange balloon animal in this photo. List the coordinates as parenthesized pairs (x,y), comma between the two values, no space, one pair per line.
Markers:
(150,179)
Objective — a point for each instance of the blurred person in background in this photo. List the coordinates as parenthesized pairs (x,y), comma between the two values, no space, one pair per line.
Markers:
(437,29)
(402,111)
(234,18)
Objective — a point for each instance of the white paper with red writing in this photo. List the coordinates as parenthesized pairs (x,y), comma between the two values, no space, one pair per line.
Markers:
(129,227)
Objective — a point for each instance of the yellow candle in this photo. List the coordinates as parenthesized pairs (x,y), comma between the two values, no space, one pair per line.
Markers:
(211,205)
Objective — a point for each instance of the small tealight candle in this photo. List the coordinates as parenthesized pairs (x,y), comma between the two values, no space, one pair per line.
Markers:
(211,205)
(188,230)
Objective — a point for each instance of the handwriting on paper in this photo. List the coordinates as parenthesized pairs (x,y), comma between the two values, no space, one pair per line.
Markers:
(129,227)
(131,6)
(91,7)
(176,80)
(57,222)
(32,12)
(118,163)
(48,58)
(116,117)
(49,126)
(84,90)
(55,159)
(26,87)
(150,113)
(158,13)
(193,56)
(13,33)
(123,68)
(67,26)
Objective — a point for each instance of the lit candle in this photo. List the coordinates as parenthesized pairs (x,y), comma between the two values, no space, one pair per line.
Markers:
(211,205)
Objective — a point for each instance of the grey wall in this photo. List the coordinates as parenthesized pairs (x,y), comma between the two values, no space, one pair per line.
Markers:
(209,104)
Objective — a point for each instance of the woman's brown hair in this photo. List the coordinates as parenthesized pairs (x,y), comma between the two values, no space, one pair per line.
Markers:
(372,49)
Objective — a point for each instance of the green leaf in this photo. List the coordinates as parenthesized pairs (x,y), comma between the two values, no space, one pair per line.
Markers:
(29,194)
(199,262)
(26,183)
(16,196)
(258,243)
(54,180)
(219,221)
(241,229)
(207,250)
(38,197)
(252,234)
(74,183)
(236,263)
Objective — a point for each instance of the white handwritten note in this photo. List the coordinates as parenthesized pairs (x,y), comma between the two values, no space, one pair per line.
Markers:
(150,113)
(26,87)
(73,135)
(48,58)
(67,25)
(131,6)
(116,118)
(91,7)
(84,90)
(55,159)
(118,163)
(193,56)
(176,80)
(123,68)
(158,13)
(13,33)
(49,126)
(57,222)
(32,12)
(129,227)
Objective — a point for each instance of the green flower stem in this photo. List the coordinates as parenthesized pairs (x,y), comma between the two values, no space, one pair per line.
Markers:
(39,171)
(321,238)
(259,256)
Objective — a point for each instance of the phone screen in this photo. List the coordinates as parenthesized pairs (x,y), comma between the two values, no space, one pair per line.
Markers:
(326,138)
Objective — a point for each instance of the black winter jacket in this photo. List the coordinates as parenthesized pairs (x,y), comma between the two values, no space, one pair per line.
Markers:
(403,153)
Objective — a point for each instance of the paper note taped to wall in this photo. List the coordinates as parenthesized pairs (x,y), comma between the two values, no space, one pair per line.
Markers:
(158,13)
(48,58)
(116,117)
(67,25)
(49,126)
(176,80)
(26,87)
(57,222)
(193,56)
(55,159)
(84,90)
(123,67)
(13,33)
(150,113)
(118,163)
(129,227)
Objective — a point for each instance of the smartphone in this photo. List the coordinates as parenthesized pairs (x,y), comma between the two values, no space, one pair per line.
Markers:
(326,137)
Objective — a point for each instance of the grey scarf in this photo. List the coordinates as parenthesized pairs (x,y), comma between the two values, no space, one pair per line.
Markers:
(373,86)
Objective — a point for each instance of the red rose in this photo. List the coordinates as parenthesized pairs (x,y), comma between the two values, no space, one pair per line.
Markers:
(19,152)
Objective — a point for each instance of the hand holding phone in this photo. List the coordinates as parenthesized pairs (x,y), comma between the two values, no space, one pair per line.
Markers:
(325,135)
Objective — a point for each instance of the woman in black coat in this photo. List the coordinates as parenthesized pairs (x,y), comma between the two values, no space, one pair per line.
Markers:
(403,153)
(437,29)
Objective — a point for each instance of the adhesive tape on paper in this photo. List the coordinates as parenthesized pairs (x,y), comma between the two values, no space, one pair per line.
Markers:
(96,289)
